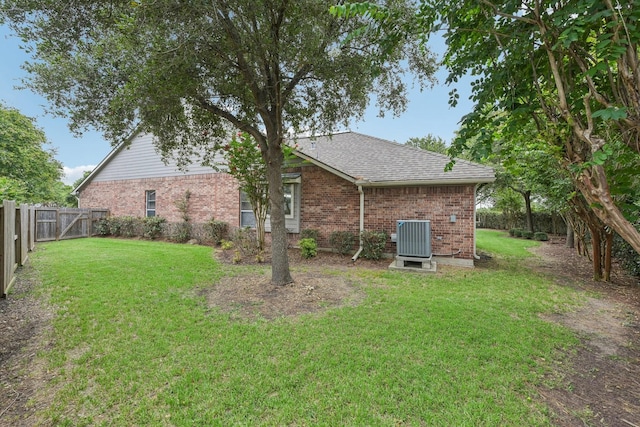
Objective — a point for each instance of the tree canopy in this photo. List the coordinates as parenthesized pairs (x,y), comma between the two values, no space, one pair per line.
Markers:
(181,70)
(429,143)
(570,66)
(28,170)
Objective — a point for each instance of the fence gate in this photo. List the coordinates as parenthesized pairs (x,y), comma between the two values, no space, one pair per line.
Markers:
(66,223)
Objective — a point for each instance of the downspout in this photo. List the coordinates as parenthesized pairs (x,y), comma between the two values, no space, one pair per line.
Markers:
(475,190)
(355,257)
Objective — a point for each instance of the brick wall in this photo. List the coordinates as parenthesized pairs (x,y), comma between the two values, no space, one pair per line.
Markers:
(383,206)
(330,203)
(212,195)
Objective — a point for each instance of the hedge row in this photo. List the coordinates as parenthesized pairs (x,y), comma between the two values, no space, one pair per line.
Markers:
(525,234)
(542,221)
(152,228)
(343,242)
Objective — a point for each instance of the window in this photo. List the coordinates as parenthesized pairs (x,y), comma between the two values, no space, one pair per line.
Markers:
(288,201)
(150,196)
(247,218)
(291,189)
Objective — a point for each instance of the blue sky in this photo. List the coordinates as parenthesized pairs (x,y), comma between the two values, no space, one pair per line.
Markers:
(427,112)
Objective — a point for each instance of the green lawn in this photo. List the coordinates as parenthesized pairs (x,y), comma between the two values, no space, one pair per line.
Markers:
(136,344)
(497,242)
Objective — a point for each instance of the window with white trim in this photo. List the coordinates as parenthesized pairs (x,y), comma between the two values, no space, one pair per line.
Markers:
(247,218)
(289,200)
(291,188)
(150,200)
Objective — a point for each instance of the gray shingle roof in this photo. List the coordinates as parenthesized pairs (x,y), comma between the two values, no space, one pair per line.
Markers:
(374,161)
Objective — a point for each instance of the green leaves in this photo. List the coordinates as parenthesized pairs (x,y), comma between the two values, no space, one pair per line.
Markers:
(611,113)
(28,170)
(601,156)
(366,9)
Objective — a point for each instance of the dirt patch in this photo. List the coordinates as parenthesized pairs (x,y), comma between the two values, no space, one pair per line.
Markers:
(255,297)
(25,322)
(314,289)
(599,384)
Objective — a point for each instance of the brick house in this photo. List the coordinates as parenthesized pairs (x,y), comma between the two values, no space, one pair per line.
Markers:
(346,182)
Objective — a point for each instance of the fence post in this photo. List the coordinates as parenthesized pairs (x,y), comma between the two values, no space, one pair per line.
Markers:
(22,230)
(58,225)
(8,264)
(32,228)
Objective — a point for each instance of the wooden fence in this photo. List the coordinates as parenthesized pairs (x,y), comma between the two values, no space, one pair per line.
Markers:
(66,223)
(22,226)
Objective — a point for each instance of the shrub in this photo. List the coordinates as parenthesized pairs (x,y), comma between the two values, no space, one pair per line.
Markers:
(309,247)
(115,225)
(540,236)
(310,233)
(517,232)
(629,259)
(217,231)
(129,226)
(342,241)
(244,240)
(103,227)
(226,244)
(152,227)
(181,232)
(512,232)
(527,234)
(373,243)
(125,226)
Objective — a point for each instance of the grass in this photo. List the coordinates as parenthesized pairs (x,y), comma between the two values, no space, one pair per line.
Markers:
(498,242)
(136,344)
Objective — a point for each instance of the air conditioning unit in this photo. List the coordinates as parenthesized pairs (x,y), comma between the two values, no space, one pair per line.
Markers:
(413,238)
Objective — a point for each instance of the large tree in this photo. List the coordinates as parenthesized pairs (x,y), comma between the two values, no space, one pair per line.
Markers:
(180,70)
(572,66)
(29,171)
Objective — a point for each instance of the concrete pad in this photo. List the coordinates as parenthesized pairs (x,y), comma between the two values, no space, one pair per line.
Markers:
(426,267)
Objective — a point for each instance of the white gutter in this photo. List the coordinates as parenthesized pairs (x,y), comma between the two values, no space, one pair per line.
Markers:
(366,183)
(355,257)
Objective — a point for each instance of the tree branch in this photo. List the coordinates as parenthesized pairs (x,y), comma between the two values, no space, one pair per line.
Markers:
(507,15)
(231,118)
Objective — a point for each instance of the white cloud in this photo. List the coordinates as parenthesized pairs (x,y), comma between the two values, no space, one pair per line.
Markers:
(71,174)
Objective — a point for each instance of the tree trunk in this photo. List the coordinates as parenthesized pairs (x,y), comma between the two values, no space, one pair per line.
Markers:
(259,212)
(596,246)
(607,256)
(592,181)
(570,243)
(595,189)
(280,273)
(527,204)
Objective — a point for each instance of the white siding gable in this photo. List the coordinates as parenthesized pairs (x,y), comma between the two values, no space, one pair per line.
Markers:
(141,160)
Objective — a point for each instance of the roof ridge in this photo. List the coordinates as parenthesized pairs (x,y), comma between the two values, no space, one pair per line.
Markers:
(325,135)
(435,153)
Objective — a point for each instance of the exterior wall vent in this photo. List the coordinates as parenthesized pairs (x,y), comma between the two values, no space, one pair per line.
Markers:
(413,238)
